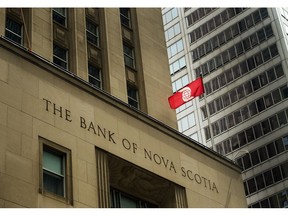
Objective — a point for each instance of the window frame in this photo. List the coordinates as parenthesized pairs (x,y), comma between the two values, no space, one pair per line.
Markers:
(96,35)
(64,16)
(12,32)
(65,61)
(66,154)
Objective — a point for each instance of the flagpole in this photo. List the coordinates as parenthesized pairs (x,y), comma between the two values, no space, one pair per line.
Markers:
(208,118)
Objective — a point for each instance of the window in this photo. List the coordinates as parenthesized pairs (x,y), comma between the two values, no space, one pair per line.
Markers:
(92,33)
(132,96)
(94,76)
(14,31)
(59,16)
(55,171)
(60,56)
(123,200)
(125,17)
(129,56)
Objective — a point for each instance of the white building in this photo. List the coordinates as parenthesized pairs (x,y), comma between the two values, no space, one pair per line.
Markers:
(242,54)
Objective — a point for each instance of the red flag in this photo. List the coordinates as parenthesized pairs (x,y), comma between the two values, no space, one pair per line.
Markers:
(187,93)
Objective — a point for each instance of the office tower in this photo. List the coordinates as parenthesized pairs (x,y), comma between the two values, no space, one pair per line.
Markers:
(84,117)
(242,55)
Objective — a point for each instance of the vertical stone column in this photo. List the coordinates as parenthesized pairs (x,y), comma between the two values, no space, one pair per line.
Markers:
(102,178)
(180,196)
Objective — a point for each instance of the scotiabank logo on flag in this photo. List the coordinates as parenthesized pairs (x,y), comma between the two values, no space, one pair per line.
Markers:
(187,93)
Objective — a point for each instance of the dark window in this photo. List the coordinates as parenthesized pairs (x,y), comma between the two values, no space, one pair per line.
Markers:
(239,48)
(279,71)
(13,30)
(133,99)
(228,34)
(235,30)
(261,35)
(255,158)
(94,75)
(265,126)
(219,104)
(266,55)
(251,63)
(268,100)
(271,150)
(264,13)
(195,54)
(234,142)
(252,109)
(215,84)
(258,59)
(222,79)
(224,16)
(255,83)
(263,153)
(240,92)
(226,100)
(227,146)
(215,42)
(284,169)
(243,67)
(256,16)
(254,40)
(282,118)
(207,133)
(273,50)
(92,33)
(211,65)
(233,95)
(221,38)
(211,24)
(215,128)
(208,88)
(222,124)
(273,122)
(237,117)
(276,96)
(257,130)
(59,16)
(201,50)
(125,17)
(260,105)
(260,181)
(242,25)
(218,60)
(230,121)
(268,178)
(264,203)
(242,139)
(246,44)
(60,56)
(208,46)
(231,12)
(217,20)
(246,161)
(249,21)
(232,52)
(273,202)
(211,108)
(123,200)
(229,75)
(271,75)
(263,79)
(250,135)
(245,113)
(236,71)
(204,112)
(129,56)
(251,185)
(284,92)
(276,174)
(204,29)
(279,146)
(225,57)
(268,31)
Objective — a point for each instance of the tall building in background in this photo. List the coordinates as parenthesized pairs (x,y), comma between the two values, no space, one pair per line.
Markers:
(242,54)
(84,116)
